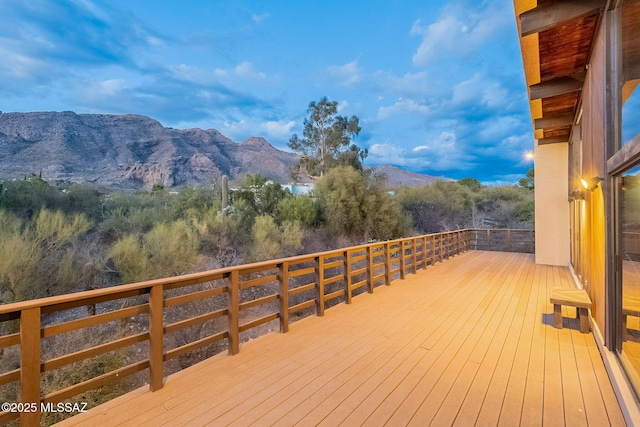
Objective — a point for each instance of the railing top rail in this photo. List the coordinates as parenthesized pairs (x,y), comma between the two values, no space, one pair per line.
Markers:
(198,277)
(501,229)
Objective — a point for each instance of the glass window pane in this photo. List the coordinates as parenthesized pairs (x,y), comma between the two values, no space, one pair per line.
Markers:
(631,70)
(631,273)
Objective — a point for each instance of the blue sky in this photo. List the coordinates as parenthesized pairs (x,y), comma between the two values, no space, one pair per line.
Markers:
(438,86)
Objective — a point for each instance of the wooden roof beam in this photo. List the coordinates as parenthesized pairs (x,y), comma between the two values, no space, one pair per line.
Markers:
(559,86)
(553,140)
(553,14)
(554,122)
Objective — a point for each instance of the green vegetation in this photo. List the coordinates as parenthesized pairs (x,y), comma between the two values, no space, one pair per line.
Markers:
(57,238)
(326,141)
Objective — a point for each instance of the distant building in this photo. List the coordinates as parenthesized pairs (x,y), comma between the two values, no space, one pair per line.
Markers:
(300,188)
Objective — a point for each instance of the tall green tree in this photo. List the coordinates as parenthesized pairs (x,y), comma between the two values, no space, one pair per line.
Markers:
(326,140)
(528,181)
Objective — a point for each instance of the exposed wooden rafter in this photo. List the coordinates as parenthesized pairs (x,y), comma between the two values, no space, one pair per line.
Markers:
(555,13)
(553,140)
(559,86)
(554,122)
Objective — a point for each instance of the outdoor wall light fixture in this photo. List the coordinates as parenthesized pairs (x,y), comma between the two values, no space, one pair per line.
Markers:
(591,183)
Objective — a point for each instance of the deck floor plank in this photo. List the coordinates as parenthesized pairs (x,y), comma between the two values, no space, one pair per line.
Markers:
(469,341)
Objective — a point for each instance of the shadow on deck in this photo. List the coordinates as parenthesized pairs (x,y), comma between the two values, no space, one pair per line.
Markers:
(466,342)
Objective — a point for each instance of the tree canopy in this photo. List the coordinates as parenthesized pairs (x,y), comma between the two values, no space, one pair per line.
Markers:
(326,140)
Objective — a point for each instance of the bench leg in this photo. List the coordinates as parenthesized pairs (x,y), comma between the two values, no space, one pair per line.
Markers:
(557,315)
(583,314)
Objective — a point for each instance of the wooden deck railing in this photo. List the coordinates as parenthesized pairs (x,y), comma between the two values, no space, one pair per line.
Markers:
(503,240)
(148,313)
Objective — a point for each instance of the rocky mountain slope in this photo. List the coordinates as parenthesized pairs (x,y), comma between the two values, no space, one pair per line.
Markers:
(132,152)
(128,151)
(397,177)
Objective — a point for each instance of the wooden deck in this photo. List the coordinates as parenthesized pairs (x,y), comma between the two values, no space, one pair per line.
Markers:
(469,341)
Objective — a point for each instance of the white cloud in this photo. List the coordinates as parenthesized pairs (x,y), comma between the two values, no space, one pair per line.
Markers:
(342,105)
(497,128)
(345,75)
(243,71)
(480,91)
(441,36)
(277,129)
(459,31)
(402,106)
(112,86)
(440,153)
(259,18)
(410,84)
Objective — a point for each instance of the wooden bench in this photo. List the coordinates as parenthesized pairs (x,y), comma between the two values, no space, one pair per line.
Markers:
(577,298)
(630,307)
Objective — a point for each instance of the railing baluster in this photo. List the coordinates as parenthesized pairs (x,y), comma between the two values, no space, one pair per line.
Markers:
(415,256)
(320,285)
(347,276)
(424,253)
(402,258)
(30,365)
(156,371)
(283,277)
(370,271)
(387,263)
(442,246)
(234,312)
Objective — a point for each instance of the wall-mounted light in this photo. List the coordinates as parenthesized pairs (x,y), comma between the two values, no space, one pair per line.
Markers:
(591,183)
(576,195)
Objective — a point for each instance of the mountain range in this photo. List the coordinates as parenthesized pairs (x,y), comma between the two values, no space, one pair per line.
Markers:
(133,152)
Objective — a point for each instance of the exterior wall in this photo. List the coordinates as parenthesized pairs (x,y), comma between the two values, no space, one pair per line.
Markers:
(552,205)
(593,165)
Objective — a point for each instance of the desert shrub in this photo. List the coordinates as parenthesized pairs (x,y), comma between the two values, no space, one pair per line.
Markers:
(166,250)
(39,258)
(298,208)
(271,241)
(437,207)
(357,205)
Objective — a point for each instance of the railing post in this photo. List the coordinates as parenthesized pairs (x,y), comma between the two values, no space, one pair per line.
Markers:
(387,263)
(433,249)
(30,364)
(347,277)
(533,242)
(156,371)
(454,243)
(370,269)
(402,249)
(283,277)
(415,256)
(234,312)
(320,286)
(444,246)
(424,252)
(488,239)
(508,240)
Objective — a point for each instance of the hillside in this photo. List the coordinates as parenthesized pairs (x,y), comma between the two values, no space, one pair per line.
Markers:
(128,151)
(133,152)
(397,177)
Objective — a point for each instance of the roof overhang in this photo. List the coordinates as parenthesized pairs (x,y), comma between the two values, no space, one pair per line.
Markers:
(556,39)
